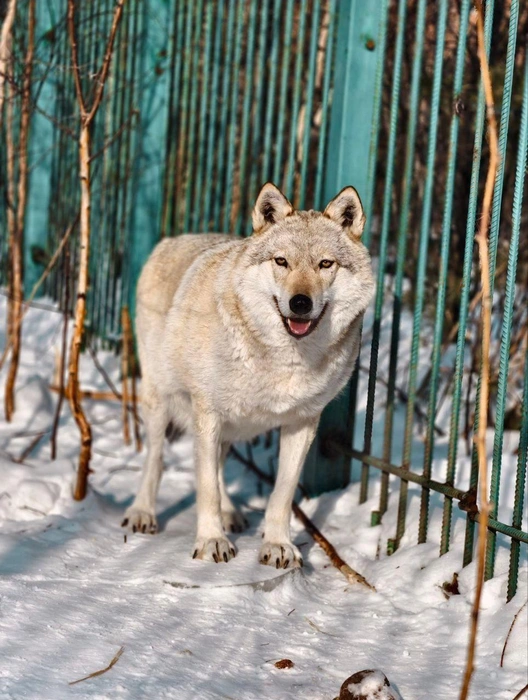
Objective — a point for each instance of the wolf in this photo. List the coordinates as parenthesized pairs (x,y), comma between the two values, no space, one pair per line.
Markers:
(237,336)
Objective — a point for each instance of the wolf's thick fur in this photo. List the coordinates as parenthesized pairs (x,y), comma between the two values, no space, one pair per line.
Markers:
(224,355)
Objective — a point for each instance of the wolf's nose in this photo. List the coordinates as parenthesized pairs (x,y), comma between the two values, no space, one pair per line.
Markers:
(301,304)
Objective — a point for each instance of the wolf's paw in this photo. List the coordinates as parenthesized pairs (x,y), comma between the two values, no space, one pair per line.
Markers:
(139,520)
(215,549)
(233,521)
(283,555)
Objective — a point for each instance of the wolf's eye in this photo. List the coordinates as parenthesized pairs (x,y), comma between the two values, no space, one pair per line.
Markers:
(326,263)
(282,262)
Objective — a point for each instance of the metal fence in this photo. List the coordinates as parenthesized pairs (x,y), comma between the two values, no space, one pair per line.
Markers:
(208,99)
(401,183)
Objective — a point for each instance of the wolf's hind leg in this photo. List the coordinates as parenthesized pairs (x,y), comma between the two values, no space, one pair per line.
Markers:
(141,517)
(278,549)
(232,518)
(211,543)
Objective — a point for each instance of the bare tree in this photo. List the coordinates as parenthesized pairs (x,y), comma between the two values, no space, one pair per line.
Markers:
(480,438)
(87,114)
(16,235)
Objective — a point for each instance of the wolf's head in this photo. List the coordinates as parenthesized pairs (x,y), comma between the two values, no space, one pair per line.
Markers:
(308,272)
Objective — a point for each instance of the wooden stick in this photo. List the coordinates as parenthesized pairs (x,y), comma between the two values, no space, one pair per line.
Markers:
(327,547)
(480,438)
(124,372)
(127,328)
(92,394)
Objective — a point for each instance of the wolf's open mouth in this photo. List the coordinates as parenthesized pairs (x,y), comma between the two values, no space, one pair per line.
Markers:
(300,327)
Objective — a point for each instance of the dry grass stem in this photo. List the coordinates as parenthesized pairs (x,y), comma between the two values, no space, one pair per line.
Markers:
(480,438)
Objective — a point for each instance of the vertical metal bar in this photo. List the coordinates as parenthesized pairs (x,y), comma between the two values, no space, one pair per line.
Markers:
(263,52)
(226,56)
(285,76)
(212,109)
(312,67)
(299,65)
(402,246)
(422,262)
(171,140)
(444,263)
(507,325)
(235,88)
(366,185)
(520,484)
(384,237)
(321,151)
(503,136)
(205,113)
(246,112)
(271,104)
(184,109)
(193,117)
(350,151)
(464,299)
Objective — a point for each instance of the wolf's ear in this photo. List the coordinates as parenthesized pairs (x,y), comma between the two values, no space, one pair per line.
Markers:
(271,207)
(347,211)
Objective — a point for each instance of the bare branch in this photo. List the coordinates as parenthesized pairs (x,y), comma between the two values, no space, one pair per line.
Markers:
(40,281)
(75,57)
(103,74)
(5,50)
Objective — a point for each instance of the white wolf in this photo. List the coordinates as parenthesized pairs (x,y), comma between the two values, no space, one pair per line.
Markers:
(237,336)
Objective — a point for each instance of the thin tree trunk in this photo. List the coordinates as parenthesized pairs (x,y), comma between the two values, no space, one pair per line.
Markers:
(127,330)
(17,241)
(124,371)
(80,315)
(64,350)
(480,437)
(87,115)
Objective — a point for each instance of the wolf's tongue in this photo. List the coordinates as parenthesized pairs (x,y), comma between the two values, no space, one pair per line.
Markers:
(299,327)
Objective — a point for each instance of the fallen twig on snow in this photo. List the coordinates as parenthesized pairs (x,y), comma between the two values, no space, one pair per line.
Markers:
(104,670)
(521,692)
(328,548)
(510,631)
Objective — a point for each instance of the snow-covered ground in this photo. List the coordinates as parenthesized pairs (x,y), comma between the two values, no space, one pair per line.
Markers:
(74,590)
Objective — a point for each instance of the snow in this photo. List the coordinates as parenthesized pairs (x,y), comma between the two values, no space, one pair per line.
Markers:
(73,590)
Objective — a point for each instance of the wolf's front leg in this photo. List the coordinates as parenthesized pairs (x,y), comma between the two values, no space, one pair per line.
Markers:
(278,549)
(141,516)
(211,543)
